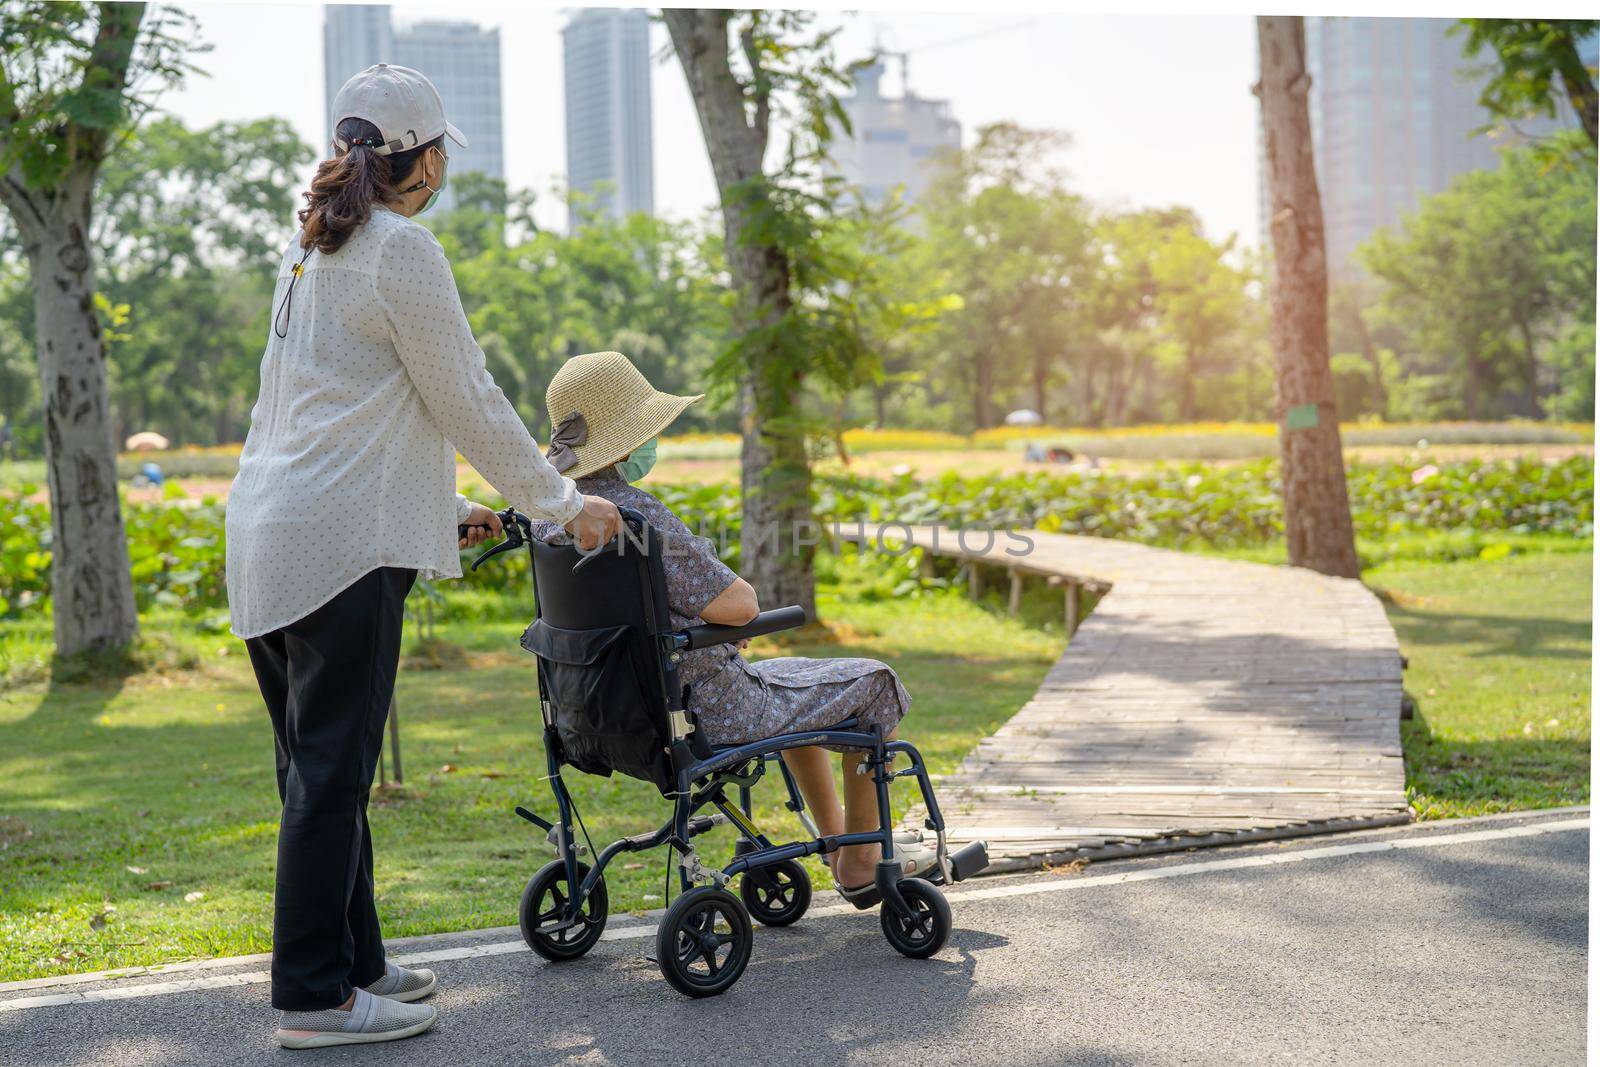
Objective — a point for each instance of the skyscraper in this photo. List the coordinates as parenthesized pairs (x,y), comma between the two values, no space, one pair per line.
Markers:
(460,58)
(1392,120)
(606,54)
(354,36)
(892,138)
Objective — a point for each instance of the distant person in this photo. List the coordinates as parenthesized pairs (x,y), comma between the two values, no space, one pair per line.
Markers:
(370,382)
(5,437)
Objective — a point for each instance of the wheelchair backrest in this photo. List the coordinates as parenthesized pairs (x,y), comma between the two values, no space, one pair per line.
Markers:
(602,666)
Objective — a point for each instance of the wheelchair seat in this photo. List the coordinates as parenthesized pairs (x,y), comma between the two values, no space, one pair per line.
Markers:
(601,619)
(608,656)
(851,723)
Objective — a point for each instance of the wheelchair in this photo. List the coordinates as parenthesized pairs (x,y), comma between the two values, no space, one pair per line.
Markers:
(611,702)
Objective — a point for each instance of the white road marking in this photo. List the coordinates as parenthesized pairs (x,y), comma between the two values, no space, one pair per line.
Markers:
(1174,790)
(1017,889)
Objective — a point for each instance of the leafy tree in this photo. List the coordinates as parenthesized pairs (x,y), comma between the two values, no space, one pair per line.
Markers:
(479,218)
(1354,330)
(1490,274)
(1538,64)
(1117,355)
(1316,503)
(19,375)
(904,292)
(791,323)
(73,78)
(1017,246)
(641,285)
(1201,299)
(190,227)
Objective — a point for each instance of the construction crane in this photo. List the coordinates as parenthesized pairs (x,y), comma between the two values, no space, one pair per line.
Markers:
(904,54)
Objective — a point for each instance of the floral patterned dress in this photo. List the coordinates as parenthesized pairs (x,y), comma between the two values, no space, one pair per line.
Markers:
(733,700)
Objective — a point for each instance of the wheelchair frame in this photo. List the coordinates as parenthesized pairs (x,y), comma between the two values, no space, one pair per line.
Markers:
(703,781)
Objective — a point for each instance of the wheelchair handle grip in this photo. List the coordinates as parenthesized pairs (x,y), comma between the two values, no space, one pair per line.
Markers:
(768,622)
(515,526)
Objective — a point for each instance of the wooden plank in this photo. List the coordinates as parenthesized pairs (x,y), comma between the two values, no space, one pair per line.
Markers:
(1203,701)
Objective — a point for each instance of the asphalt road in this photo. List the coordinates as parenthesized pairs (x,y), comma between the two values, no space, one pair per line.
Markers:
(1471,950)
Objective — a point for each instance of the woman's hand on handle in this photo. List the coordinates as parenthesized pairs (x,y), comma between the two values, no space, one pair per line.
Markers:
(598,523)
(482,525)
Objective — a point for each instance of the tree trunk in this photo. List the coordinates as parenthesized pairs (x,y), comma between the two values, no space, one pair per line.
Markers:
(1041,383)
(778,536)
(982,388)
(1187,404)
(1580,88)
(1379,390)
(1116,392)
(1090,400)
(1531,369)
(91,587)
(1316,503)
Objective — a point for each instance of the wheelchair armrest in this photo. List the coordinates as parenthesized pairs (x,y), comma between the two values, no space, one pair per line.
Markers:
(767,622)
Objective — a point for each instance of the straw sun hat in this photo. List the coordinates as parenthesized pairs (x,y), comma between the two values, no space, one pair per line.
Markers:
(601,408)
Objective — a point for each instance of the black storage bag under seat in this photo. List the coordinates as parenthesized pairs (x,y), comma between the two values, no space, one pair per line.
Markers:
(592,679)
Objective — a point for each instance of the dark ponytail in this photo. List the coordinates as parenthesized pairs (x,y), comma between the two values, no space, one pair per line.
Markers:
(346,187)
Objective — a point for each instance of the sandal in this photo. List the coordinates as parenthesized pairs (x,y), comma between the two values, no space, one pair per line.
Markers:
(862,896)
(916,859)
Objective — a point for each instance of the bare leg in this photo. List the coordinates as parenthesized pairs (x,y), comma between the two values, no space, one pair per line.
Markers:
(813,773)
(858,864)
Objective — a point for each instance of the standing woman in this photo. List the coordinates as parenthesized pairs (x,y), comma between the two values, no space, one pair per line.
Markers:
(370,382)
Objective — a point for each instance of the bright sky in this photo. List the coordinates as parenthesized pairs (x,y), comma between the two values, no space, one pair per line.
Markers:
(1159,106)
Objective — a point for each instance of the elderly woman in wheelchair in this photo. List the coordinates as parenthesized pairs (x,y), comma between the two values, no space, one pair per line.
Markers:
(640,672)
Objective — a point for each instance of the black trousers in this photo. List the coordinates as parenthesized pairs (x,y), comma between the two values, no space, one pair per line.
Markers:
(327,680)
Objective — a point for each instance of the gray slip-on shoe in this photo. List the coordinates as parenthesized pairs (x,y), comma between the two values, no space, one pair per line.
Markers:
(403,985)
(369,1019)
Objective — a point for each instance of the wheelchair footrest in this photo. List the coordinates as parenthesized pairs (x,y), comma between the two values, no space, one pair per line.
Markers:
(969,860)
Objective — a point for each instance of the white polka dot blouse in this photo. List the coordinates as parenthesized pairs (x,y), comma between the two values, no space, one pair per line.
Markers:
(350,460)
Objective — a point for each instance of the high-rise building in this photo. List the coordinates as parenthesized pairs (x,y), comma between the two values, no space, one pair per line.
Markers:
(610,157)
(460,58)
(1393,115)
(354,36)
(892,138)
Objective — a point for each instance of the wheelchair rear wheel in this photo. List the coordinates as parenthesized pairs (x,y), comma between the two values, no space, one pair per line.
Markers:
(777,894)
(544,899)
(704,940)
(925,931)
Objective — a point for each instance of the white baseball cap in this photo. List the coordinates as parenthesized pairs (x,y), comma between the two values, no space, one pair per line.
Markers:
(403,104)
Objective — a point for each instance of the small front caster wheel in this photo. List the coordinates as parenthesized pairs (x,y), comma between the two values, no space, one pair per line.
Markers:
(777,894)
(926,929)
(704,940)
(544,902)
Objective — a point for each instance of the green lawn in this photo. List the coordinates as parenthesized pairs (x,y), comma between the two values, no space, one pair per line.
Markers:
(119,802)
(1500,671)
(138,817)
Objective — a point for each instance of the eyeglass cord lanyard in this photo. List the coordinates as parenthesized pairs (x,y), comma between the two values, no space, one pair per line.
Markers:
(286,306)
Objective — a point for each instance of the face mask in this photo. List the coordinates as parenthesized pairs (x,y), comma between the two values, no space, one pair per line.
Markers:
(639,462)
(444,170)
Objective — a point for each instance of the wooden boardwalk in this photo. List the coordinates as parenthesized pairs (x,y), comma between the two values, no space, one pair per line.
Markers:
(1203,701)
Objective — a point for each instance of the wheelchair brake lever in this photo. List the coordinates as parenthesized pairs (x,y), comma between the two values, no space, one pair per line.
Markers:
(513,536)
(504,546)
